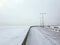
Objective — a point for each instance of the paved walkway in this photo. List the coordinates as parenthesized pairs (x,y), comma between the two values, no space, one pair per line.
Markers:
(43,36)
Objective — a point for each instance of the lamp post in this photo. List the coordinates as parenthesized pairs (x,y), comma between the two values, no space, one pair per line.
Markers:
(42,18)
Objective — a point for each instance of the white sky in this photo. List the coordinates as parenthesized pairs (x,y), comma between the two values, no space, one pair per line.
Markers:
(21,12)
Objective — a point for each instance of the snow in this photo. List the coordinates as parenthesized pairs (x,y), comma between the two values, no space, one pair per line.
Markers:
(12,35)
(43,36)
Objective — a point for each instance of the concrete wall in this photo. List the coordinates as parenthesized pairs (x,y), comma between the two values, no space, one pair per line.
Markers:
(27,12)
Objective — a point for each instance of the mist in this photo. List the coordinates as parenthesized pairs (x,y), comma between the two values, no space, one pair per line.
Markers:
(27,12)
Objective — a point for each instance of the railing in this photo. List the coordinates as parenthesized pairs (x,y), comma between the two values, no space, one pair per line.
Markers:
(24,42)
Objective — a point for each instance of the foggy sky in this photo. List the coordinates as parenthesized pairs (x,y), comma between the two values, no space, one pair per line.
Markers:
(27,12)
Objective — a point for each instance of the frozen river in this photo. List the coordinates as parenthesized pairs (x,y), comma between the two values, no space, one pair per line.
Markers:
(12,35)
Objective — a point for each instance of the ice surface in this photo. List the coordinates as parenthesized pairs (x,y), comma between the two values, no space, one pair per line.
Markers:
(12,35)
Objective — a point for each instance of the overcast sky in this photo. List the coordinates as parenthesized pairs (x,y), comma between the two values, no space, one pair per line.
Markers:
(27,12)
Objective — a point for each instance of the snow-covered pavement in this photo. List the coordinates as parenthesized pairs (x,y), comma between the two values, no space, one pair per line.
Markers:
(43,36)
(12,35)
